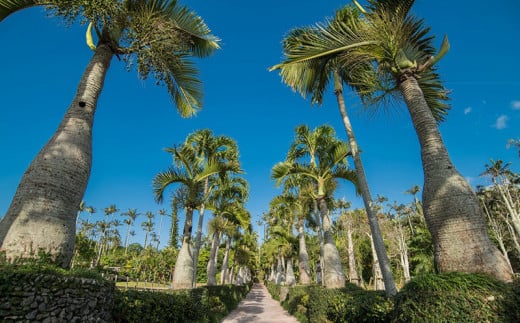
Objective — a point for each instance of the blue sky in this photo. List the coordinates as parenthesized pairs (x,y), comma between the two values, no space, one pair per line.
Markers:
(44,60)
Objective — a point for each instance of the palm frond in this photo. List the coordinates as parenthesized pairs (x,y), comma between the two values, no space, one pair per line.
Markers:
(8,7)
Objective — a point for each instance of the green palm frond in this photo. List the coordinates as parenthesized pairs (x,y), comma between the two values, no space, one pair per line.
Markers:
(202,42)
(8,7)
(163,179)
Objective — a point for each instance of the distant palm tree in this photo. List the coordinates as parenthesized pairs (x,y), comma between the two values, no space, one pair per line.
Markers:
(190,173)
(319,155)
(131,216)
(227,200)
(212,150)
(156,36)
(147,227)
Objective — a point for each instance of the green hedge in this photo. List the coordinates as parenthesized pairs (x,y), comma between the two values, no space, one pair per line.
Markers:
(204,304)
(458,297)
(453,297)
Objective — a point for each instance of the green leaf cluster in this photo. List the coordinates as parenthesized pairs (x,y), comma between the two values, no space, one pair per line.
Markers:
(204,304)
(458,297)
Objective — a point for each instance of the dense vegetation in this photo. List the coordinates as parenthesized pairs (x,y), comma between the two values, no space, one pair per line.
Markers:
(311,236)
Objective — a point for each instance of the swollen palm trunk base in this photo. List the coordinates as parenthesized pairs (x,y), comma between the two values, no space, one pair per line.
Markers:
(183,272)
(42,215)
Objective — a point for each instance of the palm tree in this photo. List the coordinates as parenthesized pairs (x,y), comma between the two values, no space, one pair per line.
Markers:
(132,215)
(391,53)
(158,37)
(212,150)
(327,163)
(500,175)
(405,59)
(147,227)
(313,79)
(189,172)
(295,208)
(229,193)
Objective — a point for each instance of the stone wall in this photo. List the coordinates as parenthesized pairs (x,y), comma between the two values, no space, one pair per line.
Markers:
(49,298)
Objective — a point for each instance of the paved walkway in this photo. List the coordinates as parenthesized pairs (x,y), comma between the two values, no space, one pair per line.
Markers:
(260,307)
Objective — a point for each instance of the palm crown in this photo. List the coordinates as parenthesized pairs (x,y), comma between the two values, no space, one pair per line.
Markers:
(370,52)
(158,37)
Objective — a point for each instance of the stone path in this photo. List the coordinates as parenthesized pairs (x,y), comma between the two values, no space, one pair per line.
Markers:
(260,307)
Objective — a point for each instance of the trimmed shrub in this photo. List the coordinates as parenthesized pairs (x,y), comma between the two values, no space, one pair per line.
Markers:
(203,304)
(457,297)
(349,304)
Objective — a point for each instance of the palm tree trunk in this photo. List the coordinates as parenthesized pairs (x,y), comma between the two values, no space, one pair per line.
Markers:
(352,268)
(41,216)
(225,263)
(212,266)
(303,256)
(290,279)
(403,252)
(319,222)
(196,247)
(377,236)
(333,275)
(376,268)
(183,272)
(450,206)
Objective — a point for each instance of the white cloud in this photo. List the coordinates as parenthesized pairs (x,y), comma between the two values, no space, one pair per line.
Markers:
(467,110)
(515,105)
(501,122)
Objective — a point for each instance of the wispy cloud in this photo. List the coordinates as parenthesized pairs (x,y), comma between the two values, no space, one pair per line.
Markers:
(515,105)
(467,110)
(501,122)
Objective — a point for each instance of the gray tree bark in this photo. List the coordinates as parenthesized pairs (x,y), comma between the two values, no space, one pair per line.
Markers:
(211,269)
(303,256)
(183,272)
(41,217)
(333,275)
(377,236)
(225,263)
(450,206)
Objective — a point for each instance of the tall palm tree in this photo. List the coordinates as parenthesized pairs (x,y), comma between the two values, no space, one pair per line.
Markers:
(147,227)
(158,37)
(131,216)
(405,59)
(212,150)
(319,155)
(391,53)
(313,80)
(190,173)
(229,193)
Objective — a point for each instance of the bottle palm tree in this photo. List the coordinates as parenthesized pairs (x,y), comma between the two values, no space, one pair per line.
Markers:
(190,173)
(390,52)
(317,76)
(158,37)
(215,150)
(227,200)
(295,209)
(326,163)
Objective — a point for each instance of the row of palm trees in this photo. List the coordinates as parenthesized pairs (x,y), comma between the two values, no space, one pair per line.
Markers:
(381,51)
(206,174)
